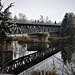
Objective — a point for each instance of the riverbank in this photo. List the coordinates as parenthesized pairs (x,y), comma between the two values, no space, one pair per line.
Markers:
(25,39)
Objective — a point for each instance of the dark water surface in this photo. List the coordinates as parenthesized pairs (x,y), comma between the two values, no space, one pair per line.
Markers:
(27,48)
(63,62)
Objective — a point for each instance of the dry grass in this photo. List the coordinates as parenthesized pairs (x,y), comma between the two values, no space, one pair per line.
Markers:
(38,72)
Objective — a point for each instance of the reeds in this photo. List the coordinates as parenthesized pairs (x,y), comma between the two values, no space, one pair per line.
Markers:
(38,72)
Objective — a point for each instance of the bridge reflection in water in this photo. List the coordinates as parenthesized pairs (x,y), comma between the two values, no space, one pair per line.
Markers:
(6,53)
(19,65)
(14,51)
(25,63)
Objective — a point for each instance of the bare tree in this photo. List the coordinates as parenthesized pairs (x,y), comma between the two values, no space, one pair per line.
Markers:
(47,19)
(41,19)
(22,17)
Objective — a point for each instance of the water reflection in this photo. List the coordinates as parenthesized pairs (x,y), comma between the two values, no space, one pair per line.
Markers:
(67,54)
(6,53)
(6,46)
(68,57)
(20,50)
(5,57)
(68,48)
(37,46)
(63,62)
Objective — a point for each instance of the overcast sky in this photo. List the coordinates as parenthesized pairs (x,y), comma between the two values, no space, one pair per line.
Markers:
(54,9)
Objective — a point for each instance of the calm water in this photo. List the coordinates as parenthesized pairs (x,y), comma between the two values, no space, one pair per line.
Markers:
(63,62)
(27,48)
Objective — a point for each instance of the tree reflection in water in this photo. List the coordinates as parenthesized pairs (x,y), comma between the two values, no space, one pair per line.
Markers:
(6,54)
(68,54)
(37,46)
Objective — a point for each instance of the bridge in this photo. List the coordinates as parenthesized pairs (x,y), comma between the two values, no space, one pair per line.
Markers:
(22,28)
(19,65)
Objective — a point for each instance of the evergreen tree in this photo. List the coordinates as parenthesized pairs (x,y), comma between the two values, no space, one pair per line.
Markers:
(67,25)
(4,17)
(71,28)
(55,22)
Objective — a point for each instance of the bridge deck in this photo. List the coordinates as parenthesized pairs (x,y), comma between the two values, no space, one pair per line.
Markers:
(20,28)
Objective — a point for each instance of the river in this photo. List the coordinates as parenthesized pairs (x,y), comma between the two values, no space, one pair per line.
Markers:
(63,62)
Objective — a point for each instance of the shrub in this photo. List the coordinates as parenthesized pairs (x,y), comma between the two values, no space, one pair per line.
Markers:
(20,41)
(24,38)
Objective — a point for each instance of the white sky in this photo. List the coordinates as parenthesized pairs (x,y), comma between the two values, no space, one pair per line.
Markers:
(54,9)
